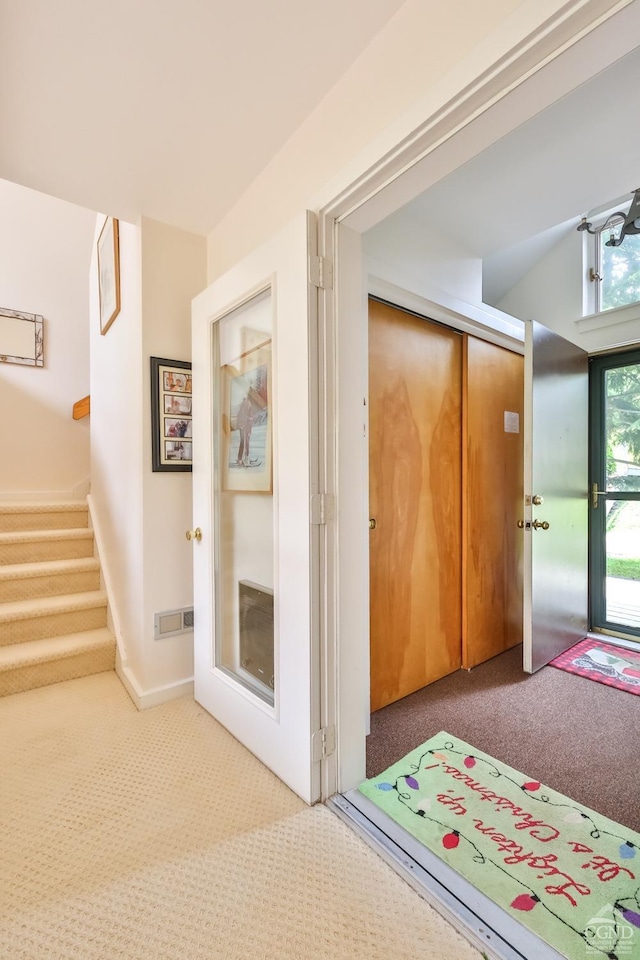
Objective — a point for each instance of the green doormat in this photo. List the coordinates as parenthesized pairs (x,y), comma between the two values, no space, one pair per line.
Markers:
(567,873)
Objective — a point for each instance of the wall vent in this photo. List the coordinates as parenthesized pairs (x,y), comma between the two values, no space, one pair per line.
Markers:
(170,623)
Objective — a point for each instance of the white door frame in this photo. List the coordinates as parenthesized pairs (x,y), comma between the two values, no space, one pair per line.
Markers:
(582,39)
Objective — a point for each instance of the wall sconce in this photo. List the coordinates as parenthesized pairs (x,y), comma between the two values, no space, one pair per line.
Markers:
(631,222)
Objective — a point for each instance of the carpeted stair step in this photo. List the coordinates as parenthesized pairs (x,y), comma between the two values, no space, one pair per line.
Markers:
(50,515)
(49,578)
(25,620)
(33,546)
(38,663)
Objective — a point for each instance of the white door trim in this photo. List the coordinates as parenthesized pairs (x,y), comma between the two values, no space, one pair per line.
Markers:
(564,51)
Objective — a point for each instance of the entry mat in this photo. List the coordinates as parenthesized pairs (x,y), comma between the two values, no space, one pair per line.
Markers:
(567,873)
(603,662)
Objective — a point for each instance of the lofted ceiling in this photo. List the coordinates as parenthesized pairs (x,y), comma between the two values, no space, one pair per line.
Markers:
(164,108)
(511,203)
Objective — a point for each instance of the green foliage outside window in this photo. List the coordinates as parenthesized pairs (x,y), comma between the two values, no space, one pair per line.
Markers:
(620,271)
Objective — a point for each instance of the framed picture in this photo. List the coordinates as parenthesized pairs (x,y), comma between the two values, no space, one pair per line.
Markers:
(171,412)
(21,338)
(109,273)
(246,422)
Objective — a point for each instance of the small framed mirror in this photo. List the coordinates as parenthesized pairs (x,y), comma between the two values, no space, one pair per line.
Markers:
(21,338)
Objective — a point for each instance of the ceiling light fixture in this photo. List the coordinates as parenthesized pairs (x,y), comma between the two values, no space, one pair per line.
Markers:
(631,222)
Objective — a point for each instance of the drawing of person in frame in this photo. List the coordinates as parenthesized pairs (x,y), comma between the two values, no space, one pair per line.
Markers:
(246,423)
(177,406)
(176,382)
(178,450)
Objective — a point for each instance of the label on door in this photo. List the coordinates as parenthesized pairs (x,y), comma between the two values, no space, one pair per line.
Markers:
(511,422)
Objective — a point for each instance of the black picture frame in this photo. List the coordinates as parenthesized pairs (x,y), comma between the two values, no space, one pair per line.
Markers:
(171,416)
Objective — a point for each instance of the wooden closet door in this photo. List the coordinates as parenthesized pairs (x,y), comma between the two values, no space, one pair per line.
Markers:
(493,501)
(415,461)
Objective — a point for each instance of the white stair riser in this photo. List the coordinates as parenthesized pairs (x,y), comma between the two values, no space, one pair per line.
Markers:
(46,550)
(53,625)
(50,585)
(65,520)
(55,671)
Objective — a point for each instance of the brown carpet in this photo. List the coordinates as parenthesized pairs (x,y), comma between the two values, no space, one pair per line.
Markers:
(579,737)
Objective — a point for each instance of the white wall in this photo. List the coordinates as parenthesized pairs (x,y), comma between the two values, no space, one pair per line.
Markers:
(143,516)
(45,250)
(425,55)
(405,252)
(552,291)
(173,272)
(117,400)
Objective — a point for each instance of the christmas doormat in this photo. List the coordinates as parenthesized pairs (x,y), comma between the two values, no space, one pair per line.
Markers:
(603,662)
(567,873)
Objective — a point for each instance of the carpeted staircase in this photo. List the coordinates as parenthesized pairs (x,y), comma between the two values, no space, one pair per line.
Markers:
(53,614)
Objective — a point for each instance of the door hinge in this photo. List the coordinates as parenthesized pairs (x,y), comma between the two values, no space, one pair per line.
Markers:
(320,272)
(323,743)
(323,508)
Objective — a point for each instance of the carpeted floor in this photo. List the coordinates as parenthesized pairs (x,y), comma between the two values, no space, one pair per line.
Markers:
(579,737)
(156,836)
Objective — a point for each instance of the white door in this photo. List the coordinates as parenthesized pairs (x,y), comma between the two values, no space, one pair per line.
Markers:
(256,662)
(556,496)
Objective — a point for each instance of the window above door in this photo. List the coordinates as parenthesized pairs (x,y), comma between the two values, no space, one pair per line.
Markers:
(612,272)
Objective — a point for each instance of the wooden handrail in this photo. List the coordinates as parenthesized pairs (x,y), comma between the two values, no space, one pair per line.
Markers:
(82,408)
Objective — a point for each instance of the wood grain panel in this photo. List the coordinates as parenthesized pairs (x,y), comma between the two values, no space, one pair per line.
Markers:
(493,498)
(415,437)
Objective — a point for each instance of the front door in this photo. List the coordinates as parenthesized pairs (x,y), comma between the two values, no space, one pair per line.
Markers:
(556,496)
(415,443)
(615,493)
(256,663)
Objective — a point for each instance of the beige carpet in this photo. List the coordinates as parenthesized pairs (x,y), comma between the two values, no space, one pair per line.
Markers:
(155,835)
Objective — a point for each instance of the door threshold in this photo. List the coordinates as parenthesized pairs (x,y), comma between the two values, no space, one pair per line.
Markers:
(615,639)
(477,918)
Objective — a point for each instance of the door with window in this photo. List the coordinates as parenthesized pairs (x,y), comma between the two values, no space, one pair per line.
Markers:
(615,493)
(256,659)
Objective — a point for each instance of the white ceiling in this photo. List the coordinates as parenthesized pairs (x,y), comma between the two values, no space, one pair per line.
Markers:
(513,201)
(165,108)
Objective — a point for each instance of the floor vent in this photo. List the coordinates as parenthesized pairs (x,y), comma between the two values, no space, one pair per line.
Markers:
(170,623)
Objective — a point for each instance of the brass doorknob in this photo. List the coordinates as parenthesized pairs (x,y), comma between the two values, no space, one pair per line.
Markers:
(540,525)
(521,524)
(537,501)
(194,534)
(372,523)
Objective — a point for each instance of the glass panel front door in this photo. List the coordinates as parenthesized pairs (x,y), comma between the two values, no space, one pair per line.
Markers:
(615,493)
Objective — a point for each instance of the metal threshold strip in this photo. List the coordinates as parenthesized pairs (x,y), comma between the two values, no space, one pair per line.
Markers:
(477,918)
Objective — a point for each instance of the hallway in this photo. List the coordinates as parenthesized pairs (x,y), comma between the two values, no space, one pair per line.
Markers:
(155,836)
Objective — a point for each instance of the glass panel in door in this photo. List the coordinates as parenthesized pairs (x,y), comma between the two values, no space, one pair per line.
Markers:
(244,542)
(615,493)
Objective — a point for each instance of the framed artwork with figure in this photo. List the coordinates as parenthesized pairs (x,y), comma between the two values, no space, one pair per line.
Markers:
(246,422)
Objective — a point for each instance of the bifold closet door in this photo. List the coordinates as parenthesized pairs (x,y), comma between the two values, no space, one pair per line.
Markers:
(492,498)
(415,457)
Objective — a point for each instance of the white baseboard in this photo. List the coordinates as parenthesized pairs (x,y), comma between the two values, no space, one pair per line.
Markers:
(144,699)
